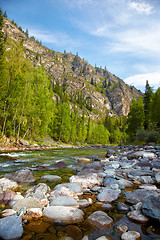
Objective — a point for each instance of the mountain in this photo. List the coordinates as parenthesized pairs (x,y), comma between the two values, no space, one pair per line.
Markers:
(101,90)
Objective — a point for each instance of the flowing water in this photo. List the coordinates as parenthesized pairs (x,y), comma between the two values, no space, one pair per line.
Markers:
(42,163)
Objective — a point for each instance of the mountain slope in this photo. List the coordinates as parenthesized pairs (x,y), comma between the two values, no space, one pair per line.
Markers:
(98,87)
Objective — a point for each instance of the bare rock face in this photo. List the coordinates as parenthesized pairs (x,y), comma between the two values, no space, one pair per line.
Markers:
(112,93)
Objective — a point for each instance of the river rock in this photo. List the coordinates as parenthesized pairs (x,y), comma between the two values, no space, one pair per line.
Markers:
(106,206)
(145,179)
(108,195)
(151,207)
(32,213)
(131,235)
(121,229)
(110,152)
(7,184)
(8,212)
(100,219)
(21,176)
(83,160)
(148,187)
(73,186)
(125,183)
(157,177)
(94,167)
(60,165)
(139,195)
(11,227)
(109,181)
(137,216)
(122,208)
(64,201)
(87,181)
(5,197)
(40,191)
(67,215)
(51,178)
(26,202)
(84,203)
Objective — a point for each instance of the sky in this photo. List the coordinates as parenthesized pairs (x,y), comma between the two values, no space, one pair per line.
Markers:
(121,35)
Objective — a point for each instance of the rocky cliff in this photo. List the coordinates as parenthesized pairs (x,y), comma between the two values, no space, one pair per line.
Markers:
(106,92)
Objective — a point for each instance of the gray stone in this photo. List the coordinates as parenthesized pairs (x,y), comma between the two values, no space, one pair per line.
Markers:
(87,181)
(67,215)
(125,183)
(51,178)
(148,187)
(11,227)
(140,195)
(64,201)
(151,207)
(40,191)
(122,208)
(21,176)
(157,177)
(106,206)
(74,187)
(108,195)
(137,216)
(131,235)
(100,219)
(109,181)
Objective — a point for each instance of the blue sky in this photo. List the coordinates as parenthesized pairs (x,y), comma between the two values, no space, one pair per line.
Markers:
(123,35)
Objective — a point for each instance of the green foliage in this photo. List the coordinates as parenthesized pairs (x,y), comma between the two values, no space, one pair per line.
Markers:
(147,135)
(135,118)
(147,100)
(155,108)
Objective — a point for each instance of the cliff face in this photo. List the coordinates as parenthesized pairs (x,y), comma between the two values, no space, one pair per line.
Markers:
(107,92)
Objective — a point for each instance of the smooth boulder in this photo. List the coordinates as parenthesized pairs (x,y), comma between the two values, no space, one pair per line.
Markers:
(100,219)
(11,227)
(151,207)
(21,176)
(67,215)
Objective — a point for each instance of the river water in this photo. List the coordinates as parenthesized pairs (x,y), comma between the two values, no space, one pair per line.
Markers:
(42,163)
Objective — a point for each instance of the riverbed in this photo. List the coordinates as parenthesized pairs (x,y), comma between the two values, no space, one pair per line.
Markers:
(44,163)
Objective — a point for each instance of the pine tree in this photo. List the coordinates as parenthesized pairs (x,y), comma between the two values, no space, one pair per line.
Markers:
(147,99)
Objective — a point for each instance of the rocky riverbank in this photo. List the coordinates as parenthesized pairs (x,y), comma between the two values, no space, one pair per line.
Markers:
(128,178)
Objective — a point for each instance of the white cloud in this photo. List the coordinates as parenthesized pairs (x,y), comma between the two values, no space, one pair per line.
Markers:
(57,38)
(141,7)
(139,80)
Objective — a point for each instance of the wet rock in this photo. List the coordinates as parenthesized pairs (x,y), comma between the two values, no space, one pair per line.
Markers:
(87,181)
(73,187)
(64,201)
(125,183)
(74,232)
(110,152)
(5,197)
(51,178)
(100,219)
(68,215)
(39,226)
(8,212)
(95,158)
(122,208)
(106,206)
(26,202)
(11,227)
(156,163)
(110,172)
(151,207)
(131,235)
(139,195)
(84,203)
(145,179)
(109,181)
(137,216)
(157,177)
(148,187)
(21,176)
(108,195)
(60,165)
(40,191)
(95,167)
(32,213)
(102,238)
(121,229)
(7,184)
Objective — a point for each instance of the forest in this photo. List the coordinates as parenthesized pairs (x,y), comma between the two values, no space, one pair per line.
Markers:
(29,110)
